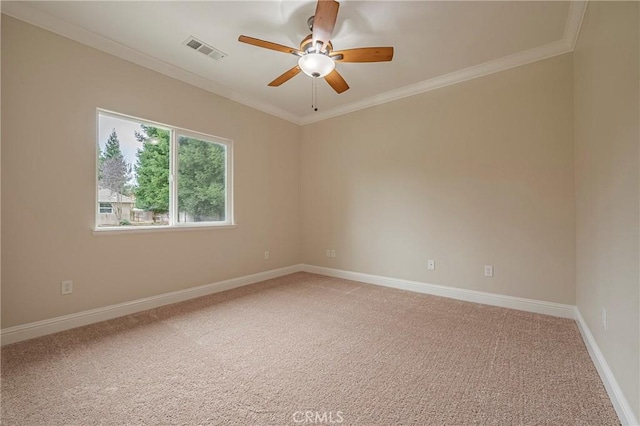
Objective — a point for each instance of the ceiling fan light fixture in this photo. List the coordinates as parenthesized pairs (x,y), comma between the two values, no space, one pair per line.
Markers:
(316,65)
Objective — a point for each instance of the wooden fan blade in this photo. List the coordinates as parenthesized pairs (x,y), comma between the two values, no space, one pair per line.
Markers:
(268,45)
(286,76)
(336,81)
(364,54)
(324,21)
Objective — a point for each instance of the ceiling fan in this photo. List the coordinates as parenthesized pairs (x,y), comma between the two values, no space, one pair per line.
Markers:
(317,58)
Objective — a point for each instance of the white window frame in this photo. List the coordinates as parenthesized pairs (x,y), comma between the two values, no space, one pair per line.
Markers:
(174,131)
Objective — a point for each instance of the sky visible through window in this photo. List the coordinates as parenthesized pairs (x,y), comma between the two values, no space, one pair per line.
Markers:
(126,135)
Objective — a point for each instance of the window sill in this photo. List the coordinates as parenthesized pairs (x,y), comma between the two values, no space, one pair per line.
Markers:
(112,230)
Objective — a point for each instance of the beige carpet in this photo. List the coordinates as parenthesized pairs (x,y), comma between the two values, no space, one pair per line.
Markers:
(308,349)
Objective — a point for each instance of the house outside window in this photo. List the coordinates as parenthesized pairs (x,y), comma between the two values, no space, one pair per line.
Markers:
(106,208)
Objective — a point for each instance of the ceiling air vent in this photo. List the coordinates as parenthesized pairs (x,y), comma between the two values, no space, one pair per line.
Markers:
(205,49)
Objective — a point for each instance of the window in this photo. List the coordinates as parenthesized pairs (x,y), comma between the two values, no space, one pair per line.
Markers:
(106,208)
(152,175)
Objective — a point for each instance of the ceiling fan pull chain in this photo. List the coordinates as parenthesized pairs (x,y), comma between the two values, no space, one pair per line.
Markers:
(314,94)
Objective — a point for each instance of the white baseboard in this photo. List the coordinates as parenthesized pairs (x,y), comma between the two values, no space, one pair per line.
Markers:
(620,403)
(66,322)
(493,299)
(54,325)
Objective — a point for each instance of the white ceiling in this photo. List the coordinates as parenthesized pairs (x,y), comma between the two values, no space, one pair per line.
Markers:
(436,43)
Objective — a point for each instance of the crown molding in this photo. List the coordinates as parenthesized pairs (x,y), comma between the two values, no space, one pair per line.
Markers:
(502,64)
(577,9)
(567,44)
(24,12)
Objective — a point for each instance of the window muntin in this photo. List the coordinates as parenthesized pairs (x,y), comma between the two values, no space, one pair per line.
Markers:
(156,175)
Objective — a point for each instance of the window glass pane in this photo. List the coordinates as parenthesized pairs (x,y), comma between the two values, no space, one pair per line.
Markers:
(133,173)
(152,176)
(201,180)
(140,183)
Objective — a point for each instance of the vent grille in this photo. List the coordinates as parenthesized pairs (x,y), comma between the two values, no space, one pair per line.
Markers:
(205,49)
(194,44)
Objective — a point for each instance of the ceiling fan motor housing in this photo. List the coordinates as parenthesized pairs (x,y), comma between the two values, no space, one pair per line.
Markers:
(306,45)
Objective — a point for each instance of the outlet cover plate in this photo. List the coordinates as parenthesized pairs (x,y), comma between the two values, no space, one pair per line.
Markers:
(66,287)
(488,270)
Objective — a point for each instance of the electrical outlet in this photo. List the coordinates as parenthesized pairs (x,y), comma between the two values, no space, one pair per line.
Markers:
(328,253)
(333,253)
(488,270)
(431,265)
(604,319)
(266,255)
(66,287)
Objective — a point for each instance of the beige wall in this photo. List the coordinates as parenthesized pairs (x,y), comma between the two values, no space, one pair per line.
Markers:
(51,89)
(608,185)
(0,170)
(472,174)
(477,173)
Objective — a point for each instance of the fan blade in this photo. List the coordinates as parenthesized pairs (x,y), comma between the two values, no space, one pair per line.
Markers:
(336,81)
(286,76)
(364,54)
(268,45)
(324,21)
